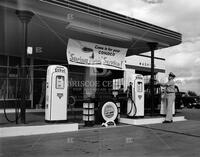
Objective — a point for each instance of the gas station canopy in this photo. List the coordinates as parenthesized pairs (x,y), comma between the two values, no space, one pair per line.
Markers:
(55,21)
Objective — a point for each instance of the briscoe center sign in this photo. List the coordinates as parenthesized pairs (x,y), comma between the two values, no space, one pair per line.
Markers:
(95,55)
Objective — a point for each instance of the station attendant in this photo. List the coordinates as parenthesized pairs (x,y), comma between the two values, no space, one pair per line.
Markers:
(170,97)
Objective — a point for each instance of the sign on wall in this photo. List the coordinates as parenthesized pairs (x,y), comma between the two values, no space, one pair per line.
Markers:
(145,61)
(95,55)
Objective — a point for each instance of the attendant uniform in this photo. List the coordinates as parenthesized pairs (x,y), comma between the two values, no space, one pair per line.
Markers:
(170,99)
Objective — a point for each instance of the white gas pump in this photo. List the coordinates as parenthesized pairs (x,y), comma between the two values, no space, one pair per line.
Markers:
(135,94)
(56,93)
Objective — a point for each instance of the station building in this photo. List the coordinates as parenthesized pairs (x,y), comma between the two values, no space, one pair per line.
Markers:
(39,33)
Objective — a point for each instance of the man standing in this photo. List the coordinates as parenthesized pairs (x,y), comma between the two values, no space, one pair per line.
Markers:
(170,97)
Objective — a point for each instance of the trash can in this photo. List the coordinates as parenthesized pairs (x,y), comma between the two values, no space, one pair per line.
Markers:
(88,113)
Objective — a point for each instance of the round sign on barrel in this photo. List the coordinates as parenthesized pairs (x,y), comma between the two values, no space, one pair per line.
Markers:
(109,111)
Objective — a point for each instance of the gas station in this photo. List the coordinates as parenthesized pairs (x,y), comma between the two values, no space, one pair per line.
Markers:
(90,58)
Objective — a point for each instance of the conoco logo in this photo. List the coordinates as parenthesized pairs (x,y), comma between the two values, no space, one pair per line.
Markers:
(109,111)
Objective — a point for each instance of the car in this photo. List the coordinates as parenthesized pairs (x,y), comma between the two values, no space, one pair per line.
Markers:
(179,100)
(191,102)
(196,103)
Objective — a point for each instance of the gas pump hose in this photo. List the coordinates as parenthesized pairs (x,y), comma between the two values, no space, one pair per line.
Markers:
(132,105)
(18,100)
(17,113)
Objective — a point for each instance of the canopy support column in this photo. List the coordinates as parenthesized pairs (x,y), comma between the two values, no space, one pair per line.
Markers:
(25,17)
(152,46)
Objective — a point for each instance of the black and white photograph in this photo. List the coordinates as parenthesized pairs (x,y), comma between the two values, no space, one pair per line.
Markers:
(99,78)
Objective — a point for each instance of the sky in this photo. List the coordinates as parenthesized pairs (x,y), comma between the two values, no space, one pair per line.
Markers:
(182,16)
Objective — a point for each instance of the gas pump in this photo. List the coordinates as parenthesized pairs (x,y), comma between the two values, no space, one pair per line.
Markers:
(56,93)
(135,95)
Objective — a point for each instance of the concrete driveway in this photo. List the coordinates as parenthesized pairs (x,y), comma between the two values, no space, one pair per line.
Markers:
(179,139)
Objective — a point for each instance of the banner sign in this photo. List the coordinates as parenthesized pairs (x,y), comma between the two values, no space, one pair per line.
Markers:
(95,55)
